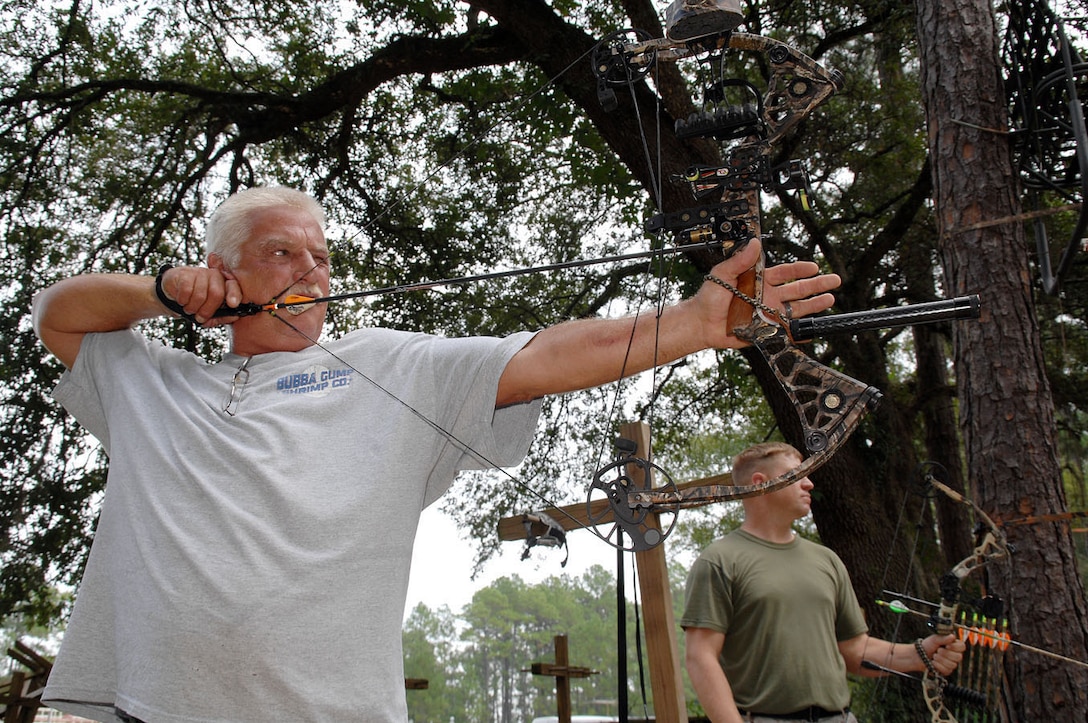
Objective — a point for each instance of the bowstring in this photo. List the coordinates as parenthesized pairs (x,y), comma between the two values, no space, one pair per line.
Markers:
(463,446)
(400,200)
(885,681)
(652,165)
(653,168)
(656,189)
(655,181)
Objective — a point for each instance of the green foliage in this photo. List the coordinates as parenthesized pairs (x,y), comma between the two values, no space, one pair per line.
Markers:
(444,143)
(430,653)
(481,673)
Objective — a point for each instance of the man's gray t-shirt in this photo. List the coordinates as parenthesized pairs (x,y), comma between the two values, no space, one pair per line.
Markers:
(256,565)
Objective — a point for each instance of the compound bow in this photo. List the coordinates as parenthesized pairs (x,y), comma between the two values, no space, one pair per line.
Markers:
(1046,86)
(990,546)
(830,404)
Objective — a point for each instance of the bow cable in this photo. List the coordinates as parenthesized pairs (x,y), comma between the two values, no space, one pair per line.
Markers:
(249,309)
(442,431)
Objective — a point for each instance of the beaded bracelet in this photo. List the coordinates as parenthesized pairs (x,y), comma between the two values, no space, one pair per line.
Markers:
(925,658)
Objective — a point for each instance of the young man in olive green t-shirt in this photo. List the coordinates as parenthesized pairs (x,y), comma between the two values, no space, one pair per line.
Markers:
(772,625)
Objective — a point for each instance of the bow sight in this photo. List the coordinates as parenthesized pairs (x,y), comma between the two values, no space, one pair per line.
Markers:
(746,170)
(732,109)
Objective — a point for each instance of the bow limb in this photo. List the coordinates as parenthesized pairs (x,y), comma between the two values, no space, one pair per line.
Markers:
(933,685)
(830,405)
(991,546)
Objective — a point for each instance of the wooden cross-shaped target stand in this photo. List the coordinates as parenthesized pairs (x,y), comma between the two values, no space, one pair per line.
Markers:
(662,646)
(562,671)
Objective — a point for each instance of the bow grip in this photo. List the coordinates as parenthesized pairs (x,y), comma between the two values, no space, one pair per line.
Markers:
(740,315)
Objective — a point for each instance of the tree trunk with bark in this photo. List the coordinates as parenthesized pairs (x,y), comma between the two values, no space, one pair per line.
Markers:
(1006,409)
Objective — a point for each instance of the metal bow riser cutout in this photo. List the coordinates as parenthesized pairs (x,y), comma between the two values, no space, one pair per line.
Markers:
(830,404)
(990,546)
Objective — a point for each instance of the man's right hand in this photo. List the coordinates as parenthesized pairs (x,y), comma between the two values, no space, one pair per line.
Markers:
(201,291)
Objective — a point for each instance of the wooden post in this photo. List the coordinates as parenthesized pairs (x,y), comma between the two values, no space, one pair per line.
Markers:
(662,647)
(21,694)
(562,671)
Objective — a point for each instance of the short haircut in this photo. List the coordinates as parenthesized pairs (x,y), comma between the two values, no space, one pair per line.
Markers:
(756,459)
(231,223)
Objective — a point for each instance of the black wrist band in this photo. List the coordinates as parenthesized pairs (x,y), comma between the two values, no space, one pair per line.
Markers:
(166,300)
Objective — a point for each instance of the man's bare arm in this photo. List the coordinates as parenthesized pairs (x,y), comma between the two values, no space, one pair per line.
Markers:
(945,652)
(590,352)
(80,305)
(72,308)
(702,648)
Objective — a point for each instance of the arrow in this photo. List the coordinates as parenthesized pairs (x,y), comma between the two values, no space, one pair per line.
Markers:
(998,639)
(249,309)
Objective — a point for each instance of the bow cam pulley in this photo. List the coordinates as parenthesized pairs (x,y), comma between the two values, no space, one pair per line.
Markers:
(609,501)
(616,65)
